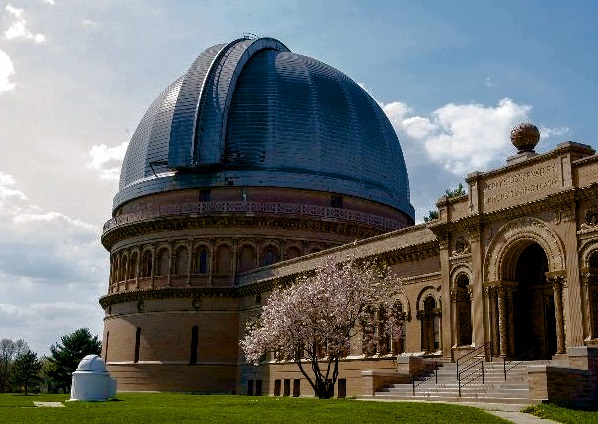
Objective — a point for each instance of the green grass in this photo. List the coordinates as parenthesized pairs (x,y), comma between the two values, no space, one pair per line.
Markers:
(562,415)
(166,408)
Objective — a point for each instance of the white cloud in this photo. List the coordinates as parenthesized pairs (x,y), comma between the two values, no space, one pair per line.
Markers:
(462,138)
(18,28)
(89,23)
(546,132)
(107,160)
(7,70)
(52,270)
(50,2)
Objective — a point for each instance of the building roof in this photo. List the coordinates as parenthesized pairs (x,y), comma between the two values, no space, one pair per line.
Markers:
(252,113)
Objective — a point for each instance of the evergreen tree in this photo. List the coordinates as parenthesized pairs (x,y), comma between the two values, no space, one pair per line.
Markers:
(26,371)
(67,354)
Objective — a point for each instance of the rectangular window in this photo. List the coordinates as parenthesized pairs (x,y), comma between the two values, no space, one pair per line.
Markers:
(137,342)
(205,195)
(342,388)
(249,387)
(276,387)
(297,387)
(336,202)
(194,335)
(287,387)
(258,387)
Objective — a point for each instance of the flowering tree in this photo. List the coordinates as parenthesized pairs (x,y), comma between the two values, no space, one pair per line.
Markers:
(313,320)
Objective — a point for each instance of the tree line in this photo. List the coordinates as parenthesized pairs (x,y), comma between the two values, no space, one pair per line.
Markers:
(22,371)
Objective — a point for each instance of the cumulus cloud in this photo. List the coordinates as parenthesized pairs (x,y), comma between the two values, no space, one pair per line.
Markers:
(18,27)
(461,137)
(47,261)
(7,70)
(107,160)
(50,2)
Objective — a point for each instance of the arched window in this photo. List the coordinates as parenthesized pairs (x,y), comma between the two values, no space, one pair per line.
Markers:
(123,268)
(163,262)
(246,259)
(463,305)
(593,260)
(147,264)
(430,336)
(202,261)
(181,263)
(270,256)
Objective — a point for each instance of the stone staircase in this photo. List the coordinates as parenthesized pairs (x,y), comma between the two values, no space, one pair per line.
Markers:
(494,389)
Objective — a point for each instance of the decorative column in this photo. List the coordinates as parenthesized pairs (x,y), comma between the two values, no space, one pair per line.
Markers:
(170,262)
(137,269)
(488,315)
(502,323)
(211,262)
(589,296)
(189,260)
(234,260)
(153,270)
(511,346)
(454,318)
(558,282)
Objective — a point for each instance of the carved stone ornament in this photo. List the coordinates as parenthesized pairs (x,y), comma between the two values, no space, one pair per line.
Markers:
(591,220)
(461,247)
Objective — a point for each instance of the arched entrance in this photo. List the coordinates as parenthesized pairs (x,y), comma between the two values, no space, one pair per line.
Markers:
(533,318)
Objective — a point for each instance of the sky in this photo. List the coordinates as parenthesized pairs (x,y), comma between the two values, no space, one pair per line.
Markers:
(77,76)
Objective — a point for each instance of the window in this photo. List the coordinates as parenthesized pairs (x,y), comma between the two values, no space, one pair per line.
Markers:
(147,264)
(106,348)
(194,336)
(287,387)
(277,387)
(205,195)
(163,262)
(137,342)
(270,256)
(249,387)
(202,267)
(297,387)
(336,202)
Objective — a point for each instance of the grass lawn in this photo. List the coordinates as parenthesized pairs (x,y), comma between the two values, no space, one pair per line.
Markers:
(563,415)
(165,408)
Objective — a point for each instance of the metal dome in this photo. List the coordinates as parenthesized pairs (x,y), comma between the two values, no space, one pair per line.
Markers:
(252,113)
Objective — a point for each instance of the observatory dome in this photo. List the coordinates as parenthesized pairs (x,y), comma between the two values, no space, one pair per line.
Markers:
(251,113)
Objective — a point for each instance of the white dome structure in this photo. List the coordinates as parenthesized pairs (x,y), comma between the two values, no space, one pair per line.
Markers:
(91,381)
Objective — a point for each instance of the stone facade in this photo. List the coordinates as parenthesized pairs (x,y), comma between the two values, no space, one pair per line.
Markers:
(513,263)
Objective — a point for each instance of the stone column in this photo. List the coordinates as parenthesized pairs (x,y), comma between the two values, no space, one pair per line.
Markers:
(138,269)
(511,346)
(557,283)
(588,292)
(495,326)
(235,259)
(189,261)
(502,323)
(170,263)
(211,262)
(454,318)
(153,271)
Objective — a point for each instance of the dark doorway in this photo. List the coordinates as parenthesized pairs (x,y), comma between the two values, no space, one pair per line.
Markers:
(533,305)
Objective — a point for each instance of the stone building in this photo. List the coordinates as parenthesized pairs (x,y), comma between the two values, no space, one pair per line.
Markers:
(258,163)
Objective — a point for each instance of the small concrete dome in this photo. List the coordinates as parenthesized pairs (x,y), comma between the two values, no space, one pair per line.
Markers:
(92,363)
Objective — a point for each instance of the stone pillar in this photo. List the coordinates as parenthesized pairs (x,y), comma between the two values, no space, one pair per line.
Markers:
(211,262)
(137,269)
(170,263)
(557,282)
(153,270)
(511,346)
(589,280)
(502,321)
(454,318)
(189,261)
(234,260)
(495,326)
(487,316)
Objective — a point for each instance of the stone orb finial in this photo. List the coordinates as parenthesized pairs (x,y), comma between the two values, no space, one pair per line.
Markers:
(525,136)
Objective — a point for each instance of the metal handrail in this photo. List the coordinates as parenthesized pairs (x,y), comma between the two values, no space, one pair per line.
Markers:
(473,355)
(525,356)
(474,373)
(433,366)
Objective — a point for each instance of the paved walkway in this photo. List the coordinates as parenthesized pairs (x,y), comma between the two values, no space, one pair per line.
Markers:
(507,411)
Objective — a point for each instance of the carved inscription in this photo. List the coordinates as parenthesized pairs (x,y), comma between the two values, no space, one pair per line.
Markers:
(523,183)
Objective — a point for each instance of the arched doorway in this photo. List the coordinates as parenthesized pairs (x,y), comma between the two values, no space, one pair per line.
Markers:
(533,321)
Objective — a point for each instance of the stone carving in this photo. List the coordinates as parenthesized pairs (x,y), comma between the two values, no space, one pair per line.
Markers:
(591,219)
(461,247)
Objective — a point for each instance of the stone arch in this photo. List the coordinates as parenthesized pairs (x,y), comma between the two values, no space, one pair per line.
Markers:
(270,253)
(147,262)
(223,259)
(506,246)
(133,262)
(461,283)
(589,254)
(458,271)
(425,293)
(428,312)
(292,251)
(122,268)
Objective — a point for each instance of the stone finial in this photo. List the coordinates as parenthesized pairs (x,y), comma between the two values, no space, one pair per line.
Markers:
(525,136)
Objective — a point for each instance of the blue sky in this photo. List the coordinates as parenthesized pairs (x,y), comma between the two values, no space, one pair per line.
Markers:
(76,77)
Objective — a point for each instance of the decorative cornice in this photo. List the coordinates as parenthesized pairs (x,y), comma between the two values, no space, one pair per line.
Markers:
(167,292)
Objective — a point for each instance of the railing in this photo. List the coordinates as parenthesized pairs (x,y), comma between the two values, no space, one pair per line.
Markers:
(200,208)
(525,356)
(429,367)
(470,367)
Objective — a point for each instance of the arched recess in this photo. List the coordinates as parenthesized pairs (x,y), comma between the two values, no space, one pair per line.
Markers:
(270,254)
(508,243)
(147,263)
(223,259)
(181,260)
(588,254)
(246,257)
(292,252)
(429,313)
(124,262)
(133,262)
(461,279)
(163,261)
